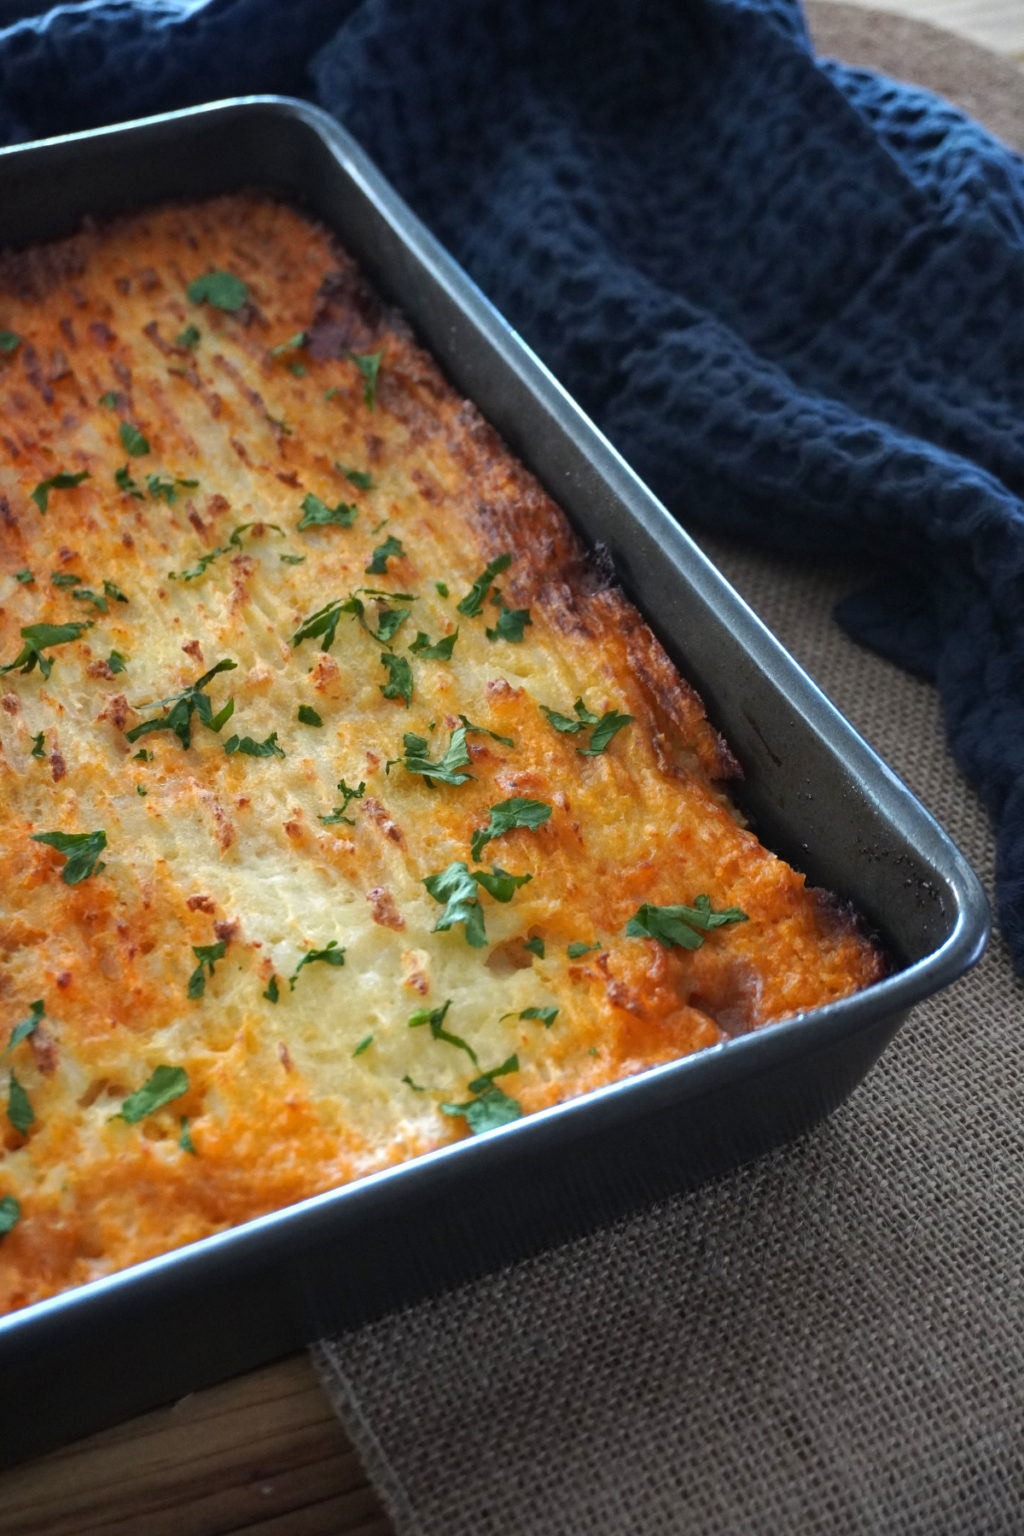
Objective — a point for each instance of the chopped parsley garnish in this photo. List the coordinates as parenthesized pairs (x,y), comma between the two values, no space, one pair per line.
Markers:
(416,1087)
(517,812)
(324,622)
(134,442)
(114,591)
(63,480)
(292,559)
(457,887)
(188,338)
(38,638)
(429,650)
(27,1026)
(391,549)
(474,600)
(140,789)
(19,1108)
(602,727)
(363,1045)
(81,850)
(680,926)
(168,488)
(510,625)
(117,662)
(441,587)
(207,955)
(185,1141)
(193,700)
(535,946)
(446,769)
(491,1106)
(234,542)
(399,684)
(358,477)
(578,948)
(481,730)
(435,1018)
(108,400)
(25,576)
(331,955)
(219,289)
(38,747)
(298,340)
(142,756)
(163,1085)
(10,1212)
(124,482)
(308,715)
(273,993)
(317,514)
(64,579)
(251,748)
(545,1016)
(368,364)
(9,342)
(347,794)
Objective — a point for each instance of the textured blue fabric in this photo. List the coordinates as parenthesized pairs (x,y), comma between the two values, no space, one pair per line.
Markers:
(791,292)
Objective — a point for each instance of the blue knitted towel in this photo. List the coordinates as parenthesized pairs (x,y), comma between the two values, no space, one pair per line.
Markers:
(792,293)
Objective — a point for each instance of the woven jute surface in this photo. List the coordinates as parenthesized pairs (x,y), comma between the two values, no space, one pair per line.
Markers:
(830,1340)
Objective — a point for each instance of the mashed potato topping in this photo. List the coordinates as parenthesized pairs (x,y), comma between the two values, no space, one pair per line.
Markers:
(346,808)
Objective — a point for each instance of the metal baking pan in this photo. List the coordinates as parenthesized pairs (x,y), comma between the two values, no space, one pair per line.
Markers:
(815,792)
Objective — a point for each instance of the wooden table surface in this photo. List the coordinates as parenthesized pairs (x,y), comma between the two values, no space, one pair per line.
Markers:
(264,1455)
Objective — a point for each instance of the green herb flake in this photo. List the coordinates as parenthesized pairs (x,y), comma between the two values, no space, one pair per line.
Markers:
(166,488)
(188,338)
(602,727)
(10,1213)
(114,591)
(86,595)
(308,715)
(368,364)
(117,662)
(511,624)
(207,955)
(38,744)
(338,814)
(545,1016)
(9,342)
(193,700)
(124,482)
(63,480)
(163,1085)
(25,577)
(361,478)
(481,730)
(416,1087)
(535,946)
(441,588)
(489,1111)
(331,955)
(27,1026)
(447,769)
(457,889)
(499,883)
(19,1108)
(363,1045)
(298,340)
(219,289)
(133,440)
(273,993)
(38,638)
(81,850)
(317,514)
(250,748)
(64,579)
(578,948)
(435,1018)
(681,926)
(509,814)
(142,756)
(292,559)
(109,401)
(428,650)
(185,1141)
(399,684)
(322,623)
(391,549)
(473,602)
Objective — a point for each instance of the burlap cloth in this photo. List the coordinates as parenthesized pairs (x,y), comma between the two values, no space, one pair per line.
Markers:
(830,1340)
